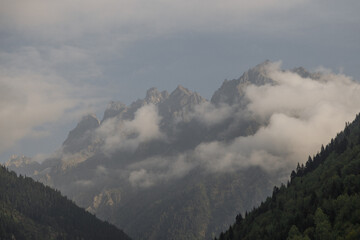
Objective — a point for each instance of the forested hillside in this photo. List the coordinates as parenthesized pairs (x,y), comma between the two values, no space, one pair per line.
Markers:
(29,210)
(321,200)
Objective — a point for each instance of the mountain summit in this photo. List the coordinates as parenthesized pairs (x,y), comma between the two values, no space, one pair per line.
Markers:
(154,96)
(80,137)
(232,91)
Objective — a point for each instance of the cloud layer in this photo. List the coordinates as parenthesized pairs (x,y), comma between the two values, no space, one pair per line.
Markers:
(71,19)
(125,47)
(34,96)
(127,135)
(300,114)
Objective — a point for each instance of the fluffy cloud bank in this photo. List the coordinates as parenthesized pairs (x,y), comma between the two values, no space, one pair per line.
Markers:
(153,170)
(129,134)
(27,103)
(298,114)
(210,115)
(33,95)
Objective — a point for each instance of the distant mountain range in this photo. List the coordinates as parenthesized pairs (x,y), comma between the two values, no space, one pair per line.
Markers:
(151,169)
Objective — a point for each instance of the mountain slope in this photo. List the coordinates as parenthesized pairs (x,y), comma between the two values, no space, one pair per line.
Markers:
(29,210)
(322,200)
(186,209)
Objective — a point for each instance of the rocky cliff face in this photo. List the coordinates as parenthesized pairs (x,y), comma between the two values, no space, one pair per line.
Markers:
(232,92)
(113,109)
(155,97)
(24,165)
(80,137)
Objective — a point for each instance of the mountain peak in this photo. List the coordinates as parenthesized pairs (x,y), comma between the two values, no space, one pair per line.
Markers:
(257,75)
(181,93)
(78,137)
(152,92)
(182,99)
(113,109)
(182,90)
(232,91)
(154,96)
(90,119)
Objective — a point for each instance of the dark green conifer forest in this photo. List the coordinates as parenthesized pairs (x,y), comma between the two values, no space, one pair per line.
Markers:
(29,210)
(321,201)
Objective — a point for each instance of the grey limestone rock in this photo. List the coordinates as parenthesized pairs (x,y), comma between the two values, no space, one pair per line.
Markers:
(80,137)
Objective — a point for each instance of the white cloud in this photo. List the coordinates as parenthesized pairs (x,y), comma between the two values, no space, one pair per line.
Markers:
(303,97)
(101,171)
(28,102)
(210,115)
(141,178)
(34,96)
(300,114)
(155,170)
(129,134)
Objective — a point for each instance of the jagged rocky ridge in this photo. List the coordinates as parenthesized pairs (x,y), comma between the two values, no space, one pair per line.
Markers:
(105,165)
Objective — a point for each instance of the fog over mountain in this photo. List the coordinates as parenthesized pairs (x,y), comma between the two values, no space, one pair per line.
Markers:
(175,159)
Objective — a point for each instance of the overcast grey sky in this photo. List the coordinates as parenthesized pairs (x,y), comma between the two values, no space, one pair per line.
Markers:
(60,59)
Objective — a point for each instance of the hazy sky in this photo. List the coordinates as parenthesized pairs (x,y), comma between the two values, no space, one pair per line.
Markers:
(59,59)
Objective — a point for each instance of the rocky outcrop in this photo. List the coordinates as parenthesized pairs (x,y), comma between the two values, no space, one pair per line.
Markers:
(179,103)
(22,164)
(306,74)
(233,91)
(113,109)
(80,137)
(155,97)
